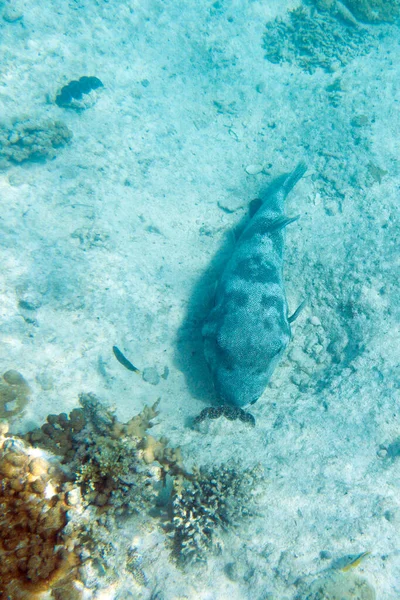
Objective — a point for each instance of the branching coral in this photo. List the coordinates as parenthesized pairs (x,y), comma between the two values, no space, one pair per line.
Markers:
(213,500)
(112,472)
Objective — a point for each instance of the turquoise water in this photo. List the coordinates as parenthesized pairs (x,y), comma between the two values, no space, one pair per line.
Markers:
(123,196)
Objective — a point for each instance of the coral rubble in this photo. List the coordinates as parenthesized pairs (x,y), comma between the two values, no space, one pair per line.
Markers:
(314,39)
(31,140)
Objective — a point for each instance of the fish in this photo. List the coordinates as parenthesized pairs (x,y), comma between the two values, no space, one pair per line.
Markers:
(247,330)
(124,361)
(355,561)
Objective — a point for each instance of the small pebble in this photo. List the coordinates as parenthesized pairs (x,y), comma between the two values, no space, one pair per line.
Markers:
(254,169)
(12,14)
(73,497)
(315,321)
(151,376)
(382,453)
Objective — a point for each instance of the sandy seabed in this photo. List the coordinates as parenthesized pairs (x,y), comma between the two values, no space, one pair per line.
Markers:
(117,240)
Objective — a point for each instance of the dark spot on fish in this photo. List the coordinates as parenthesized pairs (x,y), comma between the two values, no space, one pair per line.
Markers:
(271,302)
(256,269)
(268,324)
(238,297)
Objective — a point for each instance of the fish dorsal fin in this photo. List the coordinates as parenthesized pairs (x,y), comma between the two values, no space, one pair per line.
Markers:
(294,177)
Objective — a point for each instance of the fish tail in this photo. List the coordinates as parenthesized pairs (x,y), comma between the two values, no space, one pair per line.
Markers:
(294,177)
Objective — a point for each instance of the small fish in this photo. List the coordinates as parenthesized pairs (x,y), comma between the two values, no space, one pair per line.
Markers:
(355,561)
(124,361)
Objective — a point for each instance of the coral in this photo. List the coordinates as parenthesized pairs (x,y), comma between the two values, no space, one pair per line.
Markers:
(59,434)
(118,469)
(138,425)
(232,413)
(213,500)
(31,140)
(111,472)
(14,394)
(112,462)
(374,11)
(34,553)
(314,39)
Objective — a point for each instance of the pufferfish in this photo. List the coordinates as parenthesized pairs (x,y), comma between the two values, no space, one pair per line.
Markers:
(248,329)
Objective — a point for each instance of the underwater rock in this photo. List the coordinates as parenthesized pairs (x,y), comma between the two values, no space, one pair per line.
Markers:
(247,330)
(151,376)
(11,14)
(14,394)
(79,94)
(313,40)
(254,169)
(337,585)
(374,11)
(31,140)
